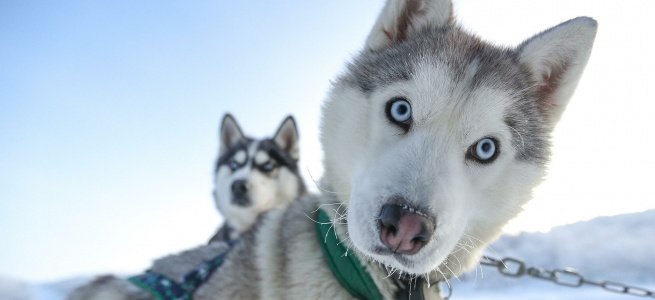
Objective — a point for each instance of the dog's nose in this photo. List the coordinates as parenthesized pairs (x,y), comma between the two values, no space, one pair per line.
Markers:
(404,230)
(239,188)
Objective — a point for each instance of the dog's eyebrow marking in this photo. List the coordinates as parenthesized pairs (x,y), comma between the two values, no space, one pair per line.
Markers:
(240,157)
(241,145)
(261,157)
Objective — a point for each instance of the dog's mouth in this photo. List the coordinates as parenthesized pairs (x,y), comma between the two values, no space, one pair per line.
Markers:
(242,201)
(402,236)
(407,263)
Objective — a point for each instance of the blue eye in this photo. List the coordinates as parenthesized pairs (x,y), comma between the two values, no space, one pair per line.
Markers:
(269,166)
(233,165)
(400,110)
(484,151)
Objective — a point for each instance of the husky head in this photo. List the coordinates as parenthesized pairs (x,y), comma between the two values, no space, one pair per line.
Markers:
(253,176)
(435,138)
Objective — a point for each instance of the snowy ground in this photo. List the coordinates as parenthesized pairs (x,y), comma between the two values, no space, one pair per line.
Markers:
(619,248)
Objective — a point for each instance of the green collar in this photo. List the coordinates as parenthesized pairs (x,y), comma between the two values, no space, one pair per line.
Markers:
(344,264)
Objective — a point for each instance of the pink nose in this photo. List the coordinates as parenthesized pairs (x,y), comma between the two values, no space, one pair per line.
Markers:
(403,230)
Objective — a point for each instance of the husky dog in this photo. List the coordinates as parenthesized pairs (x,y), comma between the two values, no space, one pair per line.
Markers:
(253,176)
(433,140)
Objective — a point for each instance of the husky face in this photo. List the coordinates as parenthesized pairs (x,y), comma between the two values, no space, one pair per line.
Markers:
(253,176)
(435,138)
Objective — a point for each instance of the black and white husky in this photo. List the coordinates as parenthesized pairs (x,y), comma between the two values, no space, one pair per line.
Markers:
(253,176)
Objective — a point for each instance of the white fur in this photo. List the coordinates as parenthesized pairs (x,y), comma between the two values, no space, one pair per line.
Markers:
(240,157)
(261,157)
(426,167)
(368,160)
(239,217)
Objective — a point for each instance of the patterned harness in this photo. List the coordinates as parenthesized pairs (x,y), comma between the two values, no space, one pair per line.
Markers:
(164,288)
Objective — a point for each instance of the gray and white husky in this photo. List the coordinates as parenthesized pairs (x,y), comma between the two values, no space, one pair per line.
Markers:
(433,140)
(253,176)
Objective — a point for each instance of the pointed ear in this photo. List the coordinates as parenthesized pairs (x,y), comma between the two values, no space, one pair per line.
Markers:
(230,133)
(556,59)
(286,137)
(400,19)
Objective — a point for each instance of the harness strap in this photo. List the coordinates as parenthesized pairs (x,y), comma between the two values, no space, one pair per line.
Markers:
(160,286)
(164,288)
(345,266)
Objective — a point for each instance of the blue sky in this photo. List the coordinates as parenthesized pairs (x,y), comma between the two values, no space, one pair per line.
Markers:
(109,113)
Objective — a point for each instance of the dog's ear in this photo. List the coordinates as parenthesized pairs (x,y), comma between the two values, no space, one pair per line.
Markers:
(286,137)
(400,19)
(230,133)
(556,59)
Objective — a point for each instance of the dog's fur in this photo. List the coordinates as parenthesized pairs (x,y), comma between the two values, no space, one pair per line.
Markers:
(240,158)
(253,176)
(110,287)
(461,90)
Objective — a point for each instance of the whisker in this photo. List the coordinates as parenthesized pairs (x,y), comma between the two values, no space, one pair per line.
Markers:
(322,223)
(444,277)
(459,262)
(479,265)
(320,187)
(451,271)
(327,204)
(328,232)
(490,248)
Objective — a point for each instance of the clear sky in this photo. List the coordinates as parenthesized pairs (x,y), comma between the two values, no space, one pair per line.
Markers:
(109,112)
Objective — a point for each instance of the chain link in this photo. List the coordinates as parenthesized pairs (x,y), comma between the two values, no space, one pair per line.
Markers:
(513,267)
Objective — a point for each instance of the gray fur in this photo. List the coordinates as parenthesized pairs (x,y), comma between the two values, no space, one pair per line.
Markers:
(498,67)
(283,246)
(280,258)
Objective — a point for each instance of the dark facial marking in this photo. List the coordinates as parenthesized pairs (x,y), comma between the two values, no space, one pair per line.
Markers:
(224,159)
(267,166)
(277,155)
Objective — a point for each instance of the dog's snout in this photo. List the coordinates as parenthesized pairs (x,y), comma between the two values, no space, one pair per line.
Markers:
(239,188)
(404,230)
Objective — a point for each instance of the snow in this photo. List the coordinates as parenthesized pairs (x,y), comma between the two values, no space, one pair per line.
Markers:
(598,249)
(11,289)
(618,249)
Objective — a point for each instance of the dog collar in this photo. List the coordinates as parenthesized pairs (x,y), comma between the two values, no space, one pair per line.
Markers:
(345,266)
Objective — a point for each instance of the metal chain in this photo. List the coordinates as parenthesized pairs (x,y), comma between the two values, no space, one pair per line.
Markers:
(566,277)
